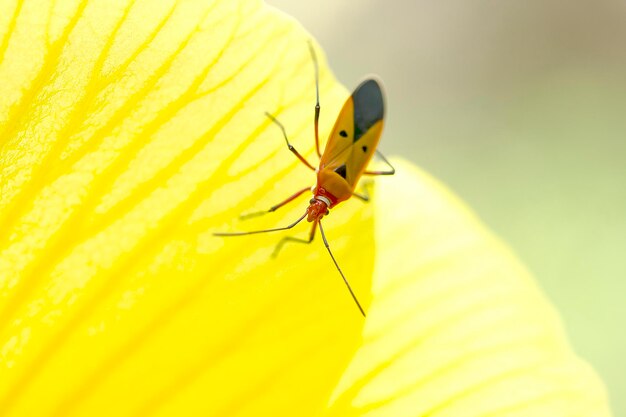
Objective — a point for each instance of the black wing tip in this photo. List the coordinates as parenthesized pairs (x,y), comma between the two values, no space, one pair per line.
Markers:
(371,82)
(369,106)
(369,96)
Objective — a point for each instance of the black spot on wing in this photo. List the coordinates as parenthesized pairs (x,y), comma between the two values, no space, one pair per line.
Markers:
(341,170)
(368,107)
(343,134)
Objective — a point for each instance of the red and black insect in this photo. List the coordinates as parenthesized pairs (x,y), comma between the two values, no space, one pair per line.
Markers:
(349,149)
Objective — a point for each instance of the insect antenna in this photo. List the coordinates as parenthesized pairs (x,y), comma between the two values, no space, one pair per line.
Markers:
(263,231)
(339,269)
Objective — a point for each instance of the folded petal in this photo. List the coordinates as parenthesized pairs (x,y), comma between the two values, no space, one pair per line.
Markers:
(457,327)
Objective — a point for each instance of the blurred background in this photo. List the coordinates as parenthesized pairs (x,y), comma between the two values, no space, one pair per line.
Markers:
(520,108)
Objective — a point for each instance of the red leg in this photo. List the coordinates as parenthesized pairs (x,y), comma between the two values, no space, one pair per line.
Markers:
(317,102)
(284,240)
(365,197)
(390,172)
(291,148)
(277,206)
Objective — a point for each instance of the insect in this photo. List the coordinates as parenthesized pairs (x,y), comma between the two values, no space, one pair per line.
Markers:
(350,147)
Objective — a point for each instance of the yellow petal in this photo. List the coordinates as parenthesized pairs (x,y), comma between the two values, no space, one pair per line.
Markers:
(131,131)
(457,327)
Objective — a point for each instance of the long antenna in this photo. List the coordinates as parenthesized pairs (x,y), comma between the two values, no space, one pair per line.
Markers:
(340,272)
(263,231)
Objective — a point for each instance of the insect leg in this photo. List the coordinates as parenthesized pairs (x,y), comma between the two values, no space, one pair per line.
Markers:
(262,231)
(390,172)
(365,197)
(284,240)
(364,192)
(291,148)
(340,272)
(276,206)
(317,98)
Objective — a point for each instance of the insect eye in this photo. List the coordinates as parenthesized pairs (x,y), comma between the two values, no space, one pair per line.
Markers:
(311,201)
(327,212)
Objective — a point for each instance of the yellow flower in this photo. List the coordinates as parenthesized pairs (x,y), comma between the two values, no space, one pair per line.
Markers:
(133,130)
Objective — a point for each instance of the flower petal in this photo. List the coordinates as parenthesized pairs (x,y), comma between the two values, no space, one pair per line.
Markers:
(131,131)
(457,327)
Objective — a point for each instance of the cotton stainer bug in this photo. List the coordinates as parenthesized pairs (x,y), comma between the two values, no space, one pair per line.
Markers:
(350,147)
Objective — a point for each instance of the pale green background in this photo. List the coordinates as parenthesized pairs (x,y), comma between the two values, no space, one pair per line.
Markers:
(520,107)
